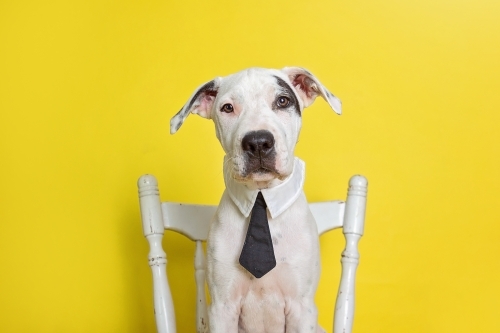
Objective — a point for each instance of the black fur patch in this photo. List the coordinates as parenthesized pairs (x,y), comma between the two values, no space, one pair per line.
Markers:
(288,93)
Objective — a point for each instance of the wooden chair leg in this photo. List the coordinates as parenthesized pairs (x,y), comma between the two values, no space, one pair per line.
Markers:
(353,227)
(153,227)
(201,302)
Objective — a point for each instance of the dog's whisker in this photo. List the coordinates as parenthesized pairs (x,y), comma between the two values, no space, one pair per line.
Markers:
(227,160)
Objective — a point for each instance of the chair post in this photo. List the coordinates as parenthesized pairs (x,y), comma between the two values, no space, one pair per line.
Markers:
(201,303)
(353,227)
(152,223)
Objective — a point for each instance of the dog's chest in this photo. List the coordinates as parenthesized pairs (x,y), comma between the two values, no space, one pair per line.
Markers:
(263,303)
(295,242)
(294,237)
(294,233)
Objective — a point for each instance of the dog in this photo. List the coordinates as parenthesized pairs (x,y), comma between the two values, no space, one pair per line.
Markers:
(257,116)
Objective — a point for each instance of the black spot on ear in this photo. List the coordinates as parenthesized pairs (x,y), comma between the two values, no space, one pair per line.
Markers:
(177,120)
(289,93)
(178,125)
(207,88)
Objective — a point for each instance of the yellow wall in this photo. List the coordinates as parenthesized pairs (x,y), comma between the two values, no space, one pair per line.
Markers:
(87,89)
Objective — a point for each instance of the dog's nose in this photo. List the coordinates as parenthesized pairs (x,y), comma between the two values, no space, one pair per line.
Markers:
(258,143)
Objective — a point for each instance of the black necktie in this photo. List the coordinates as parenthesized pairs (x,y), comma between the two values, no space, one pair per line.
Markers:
(257,255)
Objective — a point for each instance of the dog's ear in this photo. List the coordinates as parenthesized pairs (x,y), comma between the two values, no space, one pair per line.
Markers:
(200,102)
(309,87)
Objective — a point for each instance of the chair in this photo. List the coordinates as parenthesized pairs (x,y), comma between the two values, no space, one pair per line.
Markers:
(193,220)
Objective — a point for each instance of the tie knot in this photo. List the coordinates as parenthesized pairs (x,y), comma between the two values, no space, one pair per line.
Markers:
(259,201)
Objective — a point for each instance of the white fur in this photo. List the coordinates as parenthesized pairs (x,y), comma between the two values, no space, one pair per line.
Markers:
(282,301)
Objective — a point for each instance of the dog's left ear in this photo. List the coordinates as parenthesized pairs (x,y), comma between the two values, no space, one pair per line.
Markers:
(200,102)
(309,87)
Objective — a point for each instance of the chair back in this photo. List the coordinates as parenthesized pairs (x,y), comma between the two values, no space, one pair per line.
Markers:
(193,222)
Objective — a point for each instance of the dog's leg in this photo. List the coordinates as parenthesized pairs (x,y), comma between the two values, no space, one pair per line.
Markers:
(303,317)
(223,318)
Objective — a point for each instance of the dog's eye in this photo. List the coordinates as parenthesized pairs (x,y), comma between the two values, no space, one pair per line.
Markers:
(283,102)
(228,108)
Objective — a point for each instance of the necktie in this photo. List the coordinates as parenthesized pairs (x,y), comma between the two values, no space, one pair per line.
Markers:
(257,255)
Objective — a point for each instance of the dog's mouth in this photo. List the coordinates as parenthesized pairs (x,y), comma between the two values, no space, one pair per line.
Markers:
(258,166)
(262,169)
(259,171)
(256,171)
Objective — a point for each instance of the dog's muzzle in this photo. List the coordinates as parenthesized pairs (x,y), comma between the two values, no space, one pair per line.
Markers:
(260,152)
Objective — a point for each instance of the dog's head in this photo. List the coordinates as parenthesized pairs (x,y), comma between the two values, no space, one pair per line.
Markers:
(257,115)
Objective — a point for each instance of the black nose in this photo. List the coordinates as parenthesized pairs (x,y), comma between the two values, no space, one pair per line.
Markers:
(258,143)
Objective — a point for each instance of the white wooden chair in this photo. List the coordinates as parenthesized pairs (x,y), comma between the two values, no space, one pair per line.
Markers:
(193,221)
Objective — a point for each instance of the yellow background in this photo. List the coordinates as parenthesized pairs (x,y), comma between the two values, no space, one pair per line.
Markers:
(87,89)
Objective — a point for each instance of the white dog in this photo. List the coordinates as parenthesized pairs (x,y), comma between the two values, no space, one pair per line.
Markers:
(257,115)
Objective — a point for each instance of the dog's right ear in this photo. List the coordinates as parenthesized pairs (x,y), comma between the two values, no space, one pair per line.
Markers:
(200,102)
(309,87)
